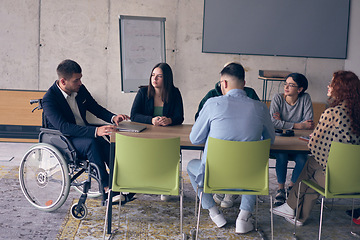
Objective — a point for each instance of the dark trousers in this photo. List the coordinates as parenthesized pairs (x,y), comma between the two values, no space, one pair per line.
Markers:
(96,150)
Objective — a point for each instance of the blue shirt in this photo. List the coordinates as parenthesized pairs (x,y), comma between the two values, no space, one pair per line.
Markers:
(233,117)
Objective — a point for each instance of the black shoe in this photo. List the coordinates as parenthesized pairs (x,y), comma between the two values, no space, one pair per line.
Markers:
(356,213)
(288,191)
(280,197)
(116,197)
(128,198)
(114,194)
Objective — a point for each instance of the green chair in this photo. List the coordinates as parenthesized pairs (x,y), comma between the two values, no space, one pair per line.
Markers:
(342,177)
(149,166)
(234,167)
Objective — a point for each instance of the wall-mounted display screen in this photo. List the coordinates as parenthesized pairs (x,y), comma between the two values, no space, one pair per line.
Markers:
(306,28)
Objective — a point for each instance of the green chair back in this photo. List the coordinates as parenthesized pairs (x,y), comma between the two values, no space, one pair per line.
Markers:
(236,167)
(144,165)
(342,178)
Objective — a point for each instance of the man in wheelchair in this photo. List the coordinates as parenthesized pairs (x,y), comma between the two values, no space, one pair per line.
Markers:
(65,105)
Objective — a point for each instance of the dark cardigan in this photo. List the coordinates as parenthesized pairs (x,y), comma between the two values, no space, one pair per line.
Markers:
(142,110)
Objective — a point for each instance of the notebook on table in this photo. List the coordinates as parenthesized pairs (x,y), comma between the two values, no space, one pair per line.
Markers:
(130,127)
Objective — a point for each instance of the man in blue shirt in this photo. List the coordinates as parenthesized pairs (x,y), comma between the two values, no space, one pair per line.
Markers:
(235,117)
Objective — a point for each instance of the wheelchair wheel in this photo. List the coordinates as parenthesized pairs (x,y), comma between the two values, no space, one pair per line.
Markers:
(94,191)
(44,177)
(79,212)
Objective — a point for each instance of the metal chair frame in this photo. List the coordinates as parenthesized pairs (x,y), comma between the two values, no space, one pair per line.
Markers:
(221,148)
(342,174)
(156,148)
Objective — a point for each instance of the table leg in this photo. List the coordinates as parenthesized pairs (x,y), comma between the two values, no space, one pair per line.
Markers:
(263,92)
(111,163)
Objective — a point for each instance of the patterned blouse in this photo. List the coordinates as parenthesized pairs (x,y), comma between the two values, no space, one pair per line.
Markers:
(334,125)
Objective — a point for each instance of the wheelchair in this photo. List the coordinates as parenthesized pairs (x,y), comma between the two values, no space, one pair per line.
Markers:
(49,168)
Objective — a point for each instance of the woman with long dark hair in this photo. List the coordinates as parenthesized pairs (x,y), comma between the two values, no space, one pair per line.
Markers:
(339,123)
(160,103)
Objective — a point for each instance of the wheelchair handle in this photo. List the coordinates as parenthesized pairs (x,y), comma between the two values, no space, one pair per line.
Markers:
(39,101)
(32,101)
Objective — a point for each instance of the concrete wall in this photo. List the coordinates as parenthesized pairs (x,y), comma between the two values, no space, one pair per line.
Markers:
(352,62)
(36,35)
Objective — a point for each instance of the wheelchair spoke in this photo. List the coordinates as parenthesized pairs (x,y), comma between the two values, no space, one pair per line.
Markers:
(44,177)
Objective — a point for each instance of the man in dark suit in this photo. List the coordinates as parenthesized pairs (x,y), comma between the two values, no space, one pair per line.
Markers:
(65,105)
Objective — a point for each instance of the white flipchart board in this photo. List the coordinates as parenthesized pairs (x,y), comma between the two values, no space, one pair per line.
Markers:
(142,46)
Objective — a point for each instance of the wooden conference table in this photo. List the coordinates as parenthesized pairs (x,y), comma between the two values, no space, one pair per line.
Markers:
(281,144)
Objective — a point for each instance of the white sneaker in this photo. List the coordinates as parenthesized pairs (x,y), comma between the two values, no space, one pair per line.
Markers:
(292,221)
(227,203)
(117,198)
(218,219)
(165,197)
(243,226)
(284,210)
(218,198)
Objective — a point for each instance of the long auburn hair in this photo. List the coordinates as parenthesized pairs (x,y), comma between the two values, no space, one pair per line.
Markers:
(168,82)
(346,88)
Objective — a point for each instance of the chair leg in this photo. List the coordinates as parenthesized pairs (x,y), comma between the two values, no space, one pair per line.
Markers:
(297,210)
(321,215)
(119,210)
(256,212)
(272,218)
(181,206)
(196,198)
(257,229)
(106,215)
(198,217)
(352,216)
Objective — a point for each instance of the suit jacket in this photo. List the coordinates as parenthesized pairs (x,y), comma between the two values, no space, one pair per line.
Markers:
(58,114)
(143,108)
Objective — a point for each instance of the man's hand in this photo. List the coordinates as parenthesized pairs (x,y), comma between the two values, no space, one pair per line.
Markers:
(105,130)
(119,118)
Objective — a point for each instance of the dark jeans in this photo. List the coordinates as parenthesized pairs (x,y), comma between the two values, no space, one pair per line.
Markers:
(96,150)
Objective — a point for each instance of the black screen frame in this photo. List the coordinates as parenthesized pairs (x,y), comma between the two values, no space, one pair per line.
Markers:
(227,29)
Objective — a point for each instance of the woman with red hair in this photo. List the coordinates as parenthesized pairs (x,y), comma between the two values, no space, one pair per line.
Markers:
(339,123)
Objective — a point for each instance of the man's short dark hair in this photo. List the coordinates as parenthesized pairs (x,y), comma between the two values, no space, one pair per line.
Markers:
(67,68)
(234,69)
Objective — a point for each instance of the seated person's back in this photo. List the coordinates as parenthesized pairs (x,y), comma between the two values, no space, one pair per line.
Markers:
(217,92)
